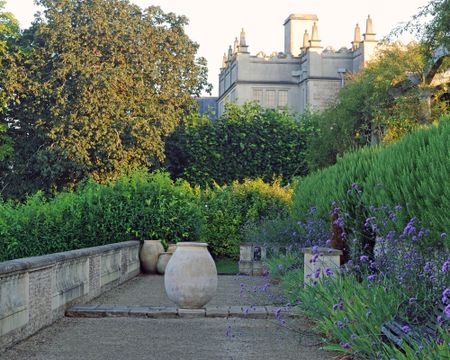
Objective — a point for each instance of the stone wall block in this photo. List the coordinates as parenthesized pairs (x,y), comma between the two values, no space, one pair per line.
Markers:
(40,299)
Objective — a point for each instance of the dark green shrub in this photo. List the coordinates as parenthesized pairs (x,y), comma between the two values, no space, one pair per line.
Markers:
(247,142)
(141,206)
(227,209)
(413,173)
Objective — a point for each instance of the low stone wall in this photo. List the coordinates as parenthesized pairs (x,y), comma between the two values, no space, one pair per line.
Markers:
(36,291)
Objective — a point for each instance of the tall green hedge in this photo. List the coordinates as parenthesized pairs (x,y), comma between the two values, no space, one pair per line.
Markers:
(247,142)
(413,173)
(139,206)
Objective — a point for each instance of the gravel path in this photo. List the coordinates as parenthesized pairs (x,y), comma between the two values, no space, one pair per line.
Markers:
(126,338)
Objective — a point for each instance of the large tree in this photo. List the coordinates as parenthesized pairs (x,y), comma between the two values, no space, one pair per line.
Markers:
(431,25)
(9,32)
(104,83)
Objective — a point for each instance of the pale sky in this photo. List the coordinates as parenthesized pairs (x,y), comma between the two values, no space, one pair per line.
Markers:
(214,24)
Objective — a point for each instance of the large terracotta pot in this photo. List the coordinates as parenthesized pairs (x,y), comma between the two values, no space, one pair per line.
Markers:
(191,276)
(149,255)
(162,262)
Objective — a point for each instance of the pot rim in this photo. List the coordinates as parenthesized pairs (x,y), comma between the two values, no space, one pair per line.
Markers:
(195,244)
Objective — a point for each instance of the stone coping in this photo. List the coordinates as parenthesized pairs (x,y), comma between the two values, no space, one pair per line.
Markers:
(35,262)
(324,250)
(158,312)
(189,244)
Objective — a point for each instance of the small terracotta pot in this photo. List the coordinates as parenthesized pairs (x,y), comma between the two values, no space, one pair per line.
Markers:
(149,255)
(171,249)
(162,262)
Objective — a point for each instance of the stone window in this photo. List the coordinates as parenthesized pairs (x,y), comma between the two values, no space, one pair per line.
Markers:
(270,98)
(258,95)
(282,98)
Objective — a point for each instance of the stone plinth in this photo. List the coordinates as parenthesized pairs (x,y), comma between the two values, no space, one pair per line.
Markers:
(320,262)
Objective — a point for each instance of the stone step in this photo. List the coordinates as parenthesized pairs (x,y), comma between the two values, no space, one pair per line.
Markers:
(153,312)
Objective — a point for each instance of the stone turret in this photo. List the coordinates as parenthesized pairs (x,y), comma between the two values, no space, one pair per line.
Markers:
(357,37)
(224,61)
(236,46)
(369,35)
(230,53)
(294,27)
(243,47)
(314,42)
(305,40)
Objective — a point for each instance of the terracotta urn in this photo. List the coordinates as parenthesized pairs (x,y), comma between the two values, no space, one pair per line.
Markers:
(162,262)
(171,248)
(149,255)
(191,276)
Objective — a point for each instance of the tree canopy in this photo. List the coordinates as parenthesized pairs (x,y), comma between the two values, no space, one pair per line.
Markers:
(103,83)
(383,102)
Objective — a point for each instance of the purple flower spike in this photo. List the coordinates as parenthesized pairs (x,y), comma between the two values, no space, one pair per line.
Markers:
(371,277)
(447,311)
(346,345)
(328,272)
(280,267)
(406,329)
(339,324)
(317,273)
(445,266)
(364,258)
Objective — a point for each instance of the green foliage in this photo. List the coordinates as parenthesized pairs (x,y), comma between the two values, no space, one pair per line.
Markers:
(379,104)
(246,142)
(103,82)
(137,207)
(431,25)
(9,32)
(226,210)
(413,173)
(140,206)
(348,310)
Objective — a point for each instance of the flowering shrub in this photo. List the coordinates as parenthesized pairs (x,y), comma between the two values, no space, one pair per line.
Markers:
(392,281)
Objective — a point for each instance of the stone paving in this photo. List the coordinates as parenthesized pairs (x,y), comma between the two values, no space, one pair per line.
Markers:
(137,321)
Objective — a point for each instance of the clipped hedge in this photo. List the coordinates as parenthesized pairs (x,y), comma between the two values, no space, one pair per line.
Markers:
(228,209)
(413,173)
(246,142)
(140,206)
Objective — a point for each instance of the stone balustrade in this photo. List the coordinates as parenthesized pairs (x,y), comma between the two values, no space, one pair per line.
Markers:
(36,291)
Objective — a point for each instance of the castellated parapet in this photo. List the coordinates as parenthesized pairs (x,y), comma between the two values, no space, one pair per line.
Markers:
(305,76)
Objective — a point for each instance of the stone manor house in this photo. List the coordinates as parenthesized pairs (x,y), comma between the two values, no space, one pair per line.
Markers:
(305,75)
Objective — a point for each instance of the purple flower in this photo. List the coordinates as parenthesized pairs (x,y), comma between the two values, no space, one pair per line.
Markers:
(353,336)
(447,311)
(328,272)
(446,296)
(338,306)
(314,250)
(346,345)
(443,235)
(364,258)
(412,301)
(280,267)
(445,266)
(317,273)
(339,324)
(406,329)
(371,277)
(428,267)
